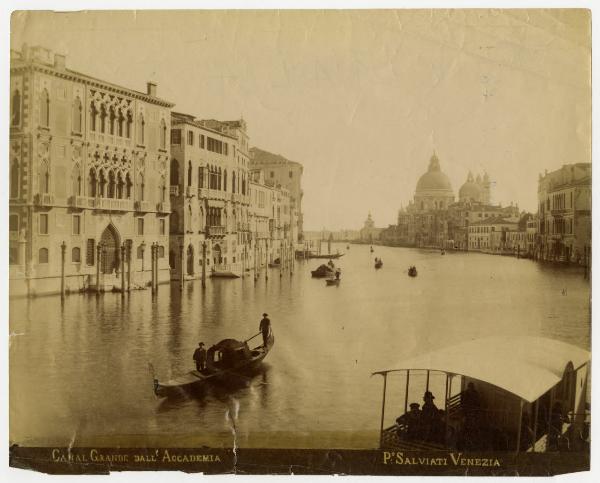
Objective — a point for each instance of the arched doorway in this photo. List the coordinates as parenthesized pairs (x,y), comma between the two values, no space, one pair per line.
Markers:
(217,254)
(110,249)
(190,260)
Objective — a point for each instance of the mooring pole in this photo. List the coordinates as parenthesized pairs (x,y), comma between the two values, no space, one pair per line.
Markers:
(63,251)
(129,265)
(98,262)
(406,391)
(123,270)
(204,264)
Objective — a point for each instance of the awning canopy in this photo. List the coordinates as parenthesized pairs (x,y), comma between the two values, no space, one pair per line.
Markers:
(525,366)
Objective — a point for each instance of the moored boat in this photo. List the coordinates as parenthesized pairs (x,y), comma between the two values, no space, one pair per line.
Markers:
(332,281)
(502,393)
(412,271)
(227,359)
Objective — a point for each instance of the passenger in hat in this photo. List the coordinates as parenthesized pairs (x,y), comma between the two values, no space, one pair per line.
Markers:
(412,421)
(200,357)
(430,416)
(265,328)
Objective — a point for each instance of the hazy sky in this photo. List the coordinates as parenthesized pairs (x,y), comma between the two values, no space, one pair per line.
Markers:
(360,98)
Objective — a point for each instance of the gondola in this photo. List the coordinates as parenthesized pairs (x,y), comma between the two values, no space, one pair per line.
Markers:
(332,281)
(327,257)
(225,360)
(412,272)
(378,264)
(322,271)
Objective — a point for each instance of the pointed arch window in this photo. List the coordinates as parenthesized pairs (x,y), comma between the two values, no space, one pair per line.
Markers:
(163,134)
(111,120)
(162,190)
(77,182)
(77,114)
(45,109)
(128,186)
(128,125)
(233,182)
(120,123)
(141,128)
(224,180)
(92,183)
(15,119)
(140,187)
(14,179)
(200,177)
(111,184)
(44,178)
(101,184)
(120,186)
(102,119)
(93,116)
(174,172)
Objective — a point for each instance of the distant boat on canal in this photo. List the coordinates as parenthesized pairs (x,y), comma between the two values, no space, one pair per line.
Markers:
(412,271)
(224,361)
(233,270)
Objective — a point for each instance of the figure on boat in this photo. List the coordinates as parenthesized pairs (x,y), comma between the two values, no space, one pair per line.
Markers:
(378,262)
(200,357)
(322,271)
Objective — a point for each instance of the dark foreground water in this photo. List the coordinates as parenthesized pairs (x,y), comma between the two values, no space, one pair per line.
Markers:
(79,373)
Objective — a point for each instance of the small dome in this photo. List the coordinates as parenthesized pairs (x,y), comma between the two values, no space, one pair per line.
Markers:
(434,178)
(470,190)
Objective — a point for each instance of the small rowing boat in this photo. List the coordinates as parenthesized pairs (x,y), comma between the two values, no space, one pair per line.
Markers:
(332,281)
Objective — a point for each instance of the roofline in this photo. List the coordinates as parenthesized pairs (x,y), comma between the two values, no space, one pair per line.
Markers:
(194,122)
(89,80)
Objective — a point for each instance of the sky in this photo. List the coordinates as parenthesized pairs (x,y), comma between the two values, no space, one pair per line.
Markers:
(361,98)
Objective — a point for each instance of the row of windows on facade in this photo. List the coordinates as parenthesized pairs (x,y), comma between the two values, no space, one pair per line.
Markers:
(211,177)
(43,219)
(101,184)
(559,226)
(44,254)
(213,145)
(557,201)
(112,121)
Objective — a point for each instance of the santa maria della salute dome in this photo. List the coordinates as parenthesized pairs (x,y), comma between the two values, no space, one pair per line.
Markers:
(434,190)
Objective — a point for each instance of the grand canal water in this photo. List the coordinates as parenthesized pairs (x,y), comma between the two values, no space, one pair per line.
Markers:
(79,372)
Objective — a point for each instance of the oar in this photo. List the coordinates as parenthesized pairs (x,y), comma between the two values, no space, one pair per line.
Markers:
(255,335)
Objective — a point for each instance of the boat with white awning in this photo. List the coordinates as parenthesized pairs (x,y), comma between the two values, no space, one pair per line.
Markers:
(514,393)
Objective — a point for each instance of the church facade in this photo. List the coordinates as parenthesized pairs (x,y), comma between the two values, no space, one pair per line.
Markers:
(435,219)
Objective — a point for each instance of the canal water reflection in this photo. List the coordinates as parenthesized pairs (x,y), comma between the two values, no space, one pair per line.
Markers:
(79,373)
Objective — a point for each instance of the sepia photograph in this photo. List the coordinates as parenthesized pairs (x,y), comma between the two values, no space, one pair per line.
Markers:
(300,241)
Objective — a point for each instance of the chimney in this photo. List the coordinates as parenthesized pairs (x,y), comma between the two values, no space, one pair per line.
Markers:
(60,61)
(151,89)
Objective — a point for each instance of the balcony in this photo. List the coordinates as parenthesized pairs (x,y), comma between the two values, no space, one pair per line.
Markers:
(43,199)
(243,226)
(203,192)
(110,204)
(81,202)
(174,190)
(214,230)
(189,192)
(163,207)
(142,206)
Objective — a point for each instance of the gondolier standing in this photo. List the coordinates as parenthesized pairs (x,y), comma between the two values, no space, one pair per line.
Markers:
(265,328)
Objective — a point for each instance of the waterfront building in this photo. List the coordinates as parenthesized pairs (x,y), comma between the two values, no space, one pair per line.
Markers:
(491,235)
(369,233)
(89,163)
(564,214)
(209,192)
(272,220)
(280,171)
(518,241)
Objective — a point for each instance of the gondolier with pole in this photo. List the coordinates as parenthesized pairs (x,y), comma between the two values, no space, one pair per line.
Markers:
(265,328)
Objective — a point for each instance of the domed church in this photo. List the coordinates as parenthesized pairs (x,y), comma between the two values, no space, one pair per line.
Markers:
(475,190)
(434,191)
